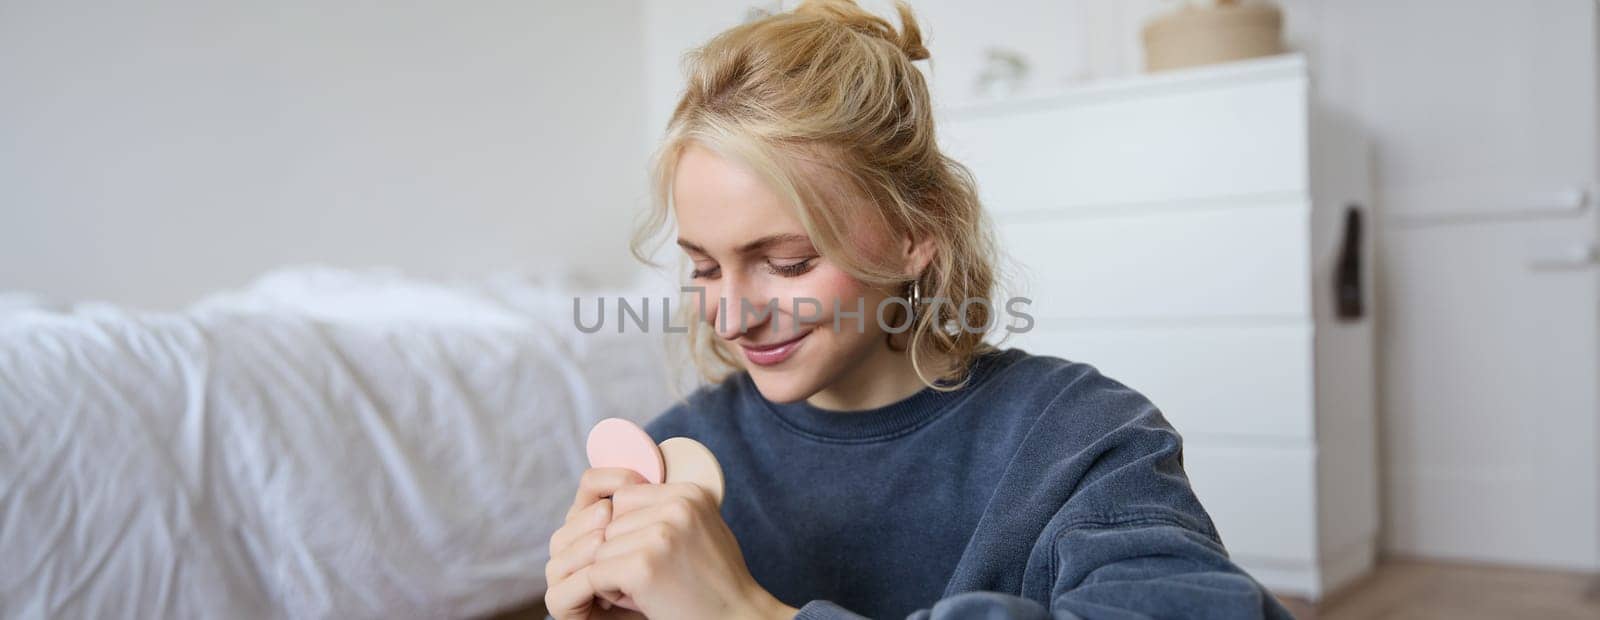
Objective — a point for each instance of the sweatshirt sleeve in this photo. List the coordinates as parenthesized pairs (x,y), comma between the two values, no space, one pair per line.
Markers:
(1131,541)
(1146,568)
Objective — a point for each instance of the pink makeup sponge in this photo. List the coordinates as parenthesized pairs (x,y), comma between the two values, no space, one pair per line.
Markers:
(615,442)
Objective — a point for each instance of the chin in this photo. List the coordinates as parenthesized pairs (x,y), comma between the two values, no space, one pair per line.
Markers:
(798,377)
(783,386)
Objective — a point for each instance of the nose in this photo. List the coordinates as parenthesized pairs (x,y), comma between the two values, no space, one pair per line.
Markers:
(732,320)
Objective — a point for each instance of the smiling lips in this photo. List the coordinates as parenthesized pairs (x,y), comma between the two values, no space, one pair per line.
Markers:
(768,355)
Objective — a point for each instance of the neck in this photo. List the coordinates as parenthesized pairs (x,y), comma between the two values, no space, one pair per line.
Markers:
(882,378)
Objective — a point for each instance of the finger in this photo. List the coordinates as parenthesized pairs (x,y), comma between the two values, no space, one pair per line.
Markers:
(596,516)
(651,537)
(632,521)
(674,511)
(630,498)
(572,597)
(577,555)
(612,578)
(598,482)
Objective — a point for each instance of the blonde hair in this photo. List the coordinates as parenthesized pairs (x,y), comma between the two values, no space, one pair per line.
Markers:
(825,104)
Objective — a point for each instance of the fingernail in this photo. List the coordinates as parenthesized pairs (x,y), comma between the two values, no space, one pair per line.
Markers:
(601,515)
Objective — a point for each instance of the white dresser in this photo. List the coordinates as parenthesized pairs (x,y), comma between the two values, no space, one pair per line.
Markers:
(1182,232)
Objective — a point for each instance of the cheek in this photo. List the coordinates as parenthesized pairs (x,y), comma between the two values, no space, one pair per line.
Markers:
(837,285)
(836,289)
(704,303)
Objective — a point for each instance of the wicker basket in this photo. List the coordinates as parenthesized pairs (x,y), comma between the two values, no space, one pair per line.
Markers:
(1196,35)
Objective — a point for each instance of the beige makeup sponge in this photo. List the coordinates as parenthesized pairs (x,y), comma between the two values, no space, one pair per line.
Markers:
(688,460)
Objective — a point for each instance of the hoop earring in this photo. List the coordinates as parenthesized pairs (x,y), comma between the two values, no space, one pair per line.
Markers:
(916,299)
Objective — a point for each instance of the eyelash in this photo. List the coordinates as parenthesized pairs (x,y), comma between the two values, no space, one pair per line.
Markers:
(787,271)
(790,271)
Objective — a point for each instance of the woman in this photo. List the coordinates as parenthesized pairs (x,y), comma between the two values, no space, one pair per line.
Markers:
(882,459)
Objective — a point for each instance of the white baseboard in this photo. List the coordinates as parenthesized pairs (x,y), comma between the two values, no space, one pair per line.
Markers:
(1313,580)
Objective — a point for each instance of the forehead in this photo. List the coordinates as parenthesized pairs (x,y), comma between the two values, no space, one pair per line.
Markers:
(720,203)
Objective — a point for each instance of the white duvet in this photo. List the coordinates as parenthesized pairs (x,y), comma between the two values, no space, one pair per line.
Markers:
(322,444)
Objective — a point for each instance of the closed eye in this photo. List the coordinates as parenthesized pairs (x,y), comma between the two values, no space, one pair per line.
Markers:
(790,270)
(707,272)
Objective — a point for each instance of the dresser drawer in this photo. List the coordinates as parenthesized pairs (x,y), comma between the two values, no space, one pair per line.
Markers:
(1261,497)
(1250,382)
(1204,264)
(1160,145)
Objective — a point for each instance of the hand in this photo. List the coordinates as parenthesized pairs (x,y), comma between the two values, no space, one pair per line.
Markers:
(668,550)
(570,594)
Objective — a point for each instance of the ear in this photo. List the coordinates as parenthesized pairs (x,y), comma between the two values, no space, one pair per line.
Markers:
(917,255)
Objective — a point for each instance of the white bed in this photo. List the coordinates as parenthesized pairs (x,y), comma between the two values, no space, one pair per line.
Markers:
(319,444)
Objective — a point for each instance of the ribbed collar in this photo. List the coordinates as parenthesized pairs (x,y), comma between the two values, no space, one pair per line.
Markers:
(872,425)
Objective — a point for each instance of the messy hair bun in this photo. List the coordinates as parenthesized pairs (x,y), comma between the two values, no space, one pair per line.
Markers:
(850,15)
(824,103)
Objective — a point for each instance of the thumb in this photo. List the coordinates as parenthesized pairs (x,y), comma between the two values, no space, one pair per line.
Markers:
(572,598)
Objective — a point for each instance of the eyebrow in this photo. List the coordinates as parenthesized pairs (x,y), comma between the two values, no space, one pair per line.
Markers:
(753,246)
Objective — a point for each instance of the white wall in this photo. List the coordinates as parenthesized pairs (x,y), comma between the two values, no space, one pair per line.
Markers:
(1490,409)
(152,151)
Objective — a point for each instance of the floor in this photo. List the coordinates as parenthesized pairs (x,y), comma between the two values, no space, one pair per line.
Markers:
(1425,590)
